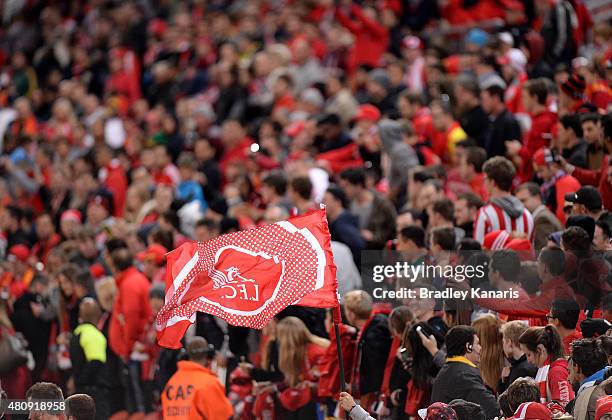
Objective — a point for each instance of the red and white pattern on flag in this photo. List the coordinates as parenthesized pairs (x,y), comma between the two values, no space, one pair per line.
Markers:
(247,277)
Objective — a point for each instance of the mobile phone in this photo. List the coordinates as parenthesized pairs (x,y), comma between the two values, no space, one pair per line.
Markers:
(420,330)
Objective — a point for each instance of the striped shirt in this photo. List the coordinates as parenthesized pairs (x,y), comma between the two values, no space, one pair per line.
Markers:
(492,217)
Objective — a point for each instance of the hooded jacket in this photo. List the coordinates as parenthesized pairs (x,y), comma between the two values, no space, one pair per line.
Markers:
(401,155)
(503,213)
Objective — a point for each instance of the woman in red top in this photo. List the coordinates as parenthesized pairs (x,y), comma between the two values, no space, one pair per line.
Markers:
(544,349)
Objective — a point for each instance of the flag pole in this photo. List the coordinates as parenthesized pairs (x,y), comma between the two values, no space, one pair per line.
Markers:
(337,318)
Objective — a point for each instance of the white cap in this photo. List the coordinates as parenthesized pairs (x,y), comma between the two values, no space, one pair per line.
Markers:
(114,133)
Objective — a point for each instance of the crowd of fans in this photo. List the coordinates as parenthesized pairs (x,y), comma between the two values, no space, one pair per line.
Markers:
(426,127)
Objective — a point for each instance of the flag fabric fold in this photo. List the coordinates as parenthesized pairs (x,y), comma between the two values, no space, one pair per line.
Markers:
(247,277)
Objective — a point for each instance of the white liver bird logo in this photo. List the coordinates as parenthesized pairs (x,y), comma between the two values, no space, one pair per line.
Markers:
(221,279)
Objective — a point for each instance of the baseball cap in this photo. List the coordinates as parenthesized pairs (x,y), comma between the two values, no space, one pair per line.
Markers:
(543,157)
(588,196)
(154,252)
(477,37)
(574,86)
(604,406)
(294,398)
(19,252)
(412,42)
(532,411)
(71,214)
(367,112)
(438,411)
(515,58)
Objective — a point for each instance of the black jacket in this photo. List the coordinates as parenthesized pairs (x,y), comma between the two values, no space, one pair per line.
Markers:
(520,368)
(345,229)
(460,380)
(475,123)
(373,350)
(577,155)
(503,128)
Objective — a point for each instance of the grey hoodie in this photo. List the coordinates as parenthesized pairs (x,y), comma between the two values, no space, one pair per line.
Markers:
(402,156)
(510,204)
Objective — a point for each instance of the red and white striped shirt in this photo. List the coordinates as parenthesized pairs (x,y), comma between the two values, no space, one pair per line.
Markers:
(492,217)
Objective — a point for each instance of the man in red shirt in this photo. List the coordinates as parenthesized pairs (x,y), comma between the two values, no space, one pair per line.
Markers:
(129,318)
(112,176)
(236,144)
(543,122)
(412,108)
(564,315)
(470,168)
(47,237)
(557,182)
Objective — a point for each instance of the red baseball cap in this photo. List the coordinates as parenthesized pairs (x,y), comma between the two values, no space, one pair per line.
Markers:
(543,157)
(367,112)
(412,42)
(294,398)
(604,406)
(20,252)
(154,252)
(71,214)
(532,411)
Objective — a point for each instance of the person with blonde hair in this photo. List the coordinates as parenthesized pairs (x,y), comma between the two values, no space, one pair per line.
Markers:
(519,366)
(491,355)
(299,353)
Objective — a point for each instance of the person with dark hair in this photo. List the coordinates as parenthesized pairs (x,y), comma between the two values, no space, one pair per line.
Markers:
(602,237)
(573,147)
(460,377)
(467,410)
(504,125)
(544,221)
(543,121)
(442,215)
(564,314)
(556,183)
(129,317)
(194,391)
(45,391)
(411,243)
(588,365)
(447,131)
(551,267)
(442,239)
(470,170)
(586,201)
(544,349)
(300,193)
(343,226)
(522,390)
(473,118)
(376,214)
(466,209)
(422,367)
(81,407)
(577,240)
(502,206)
(206,229)
(273,190)
(33,317)
(593,136)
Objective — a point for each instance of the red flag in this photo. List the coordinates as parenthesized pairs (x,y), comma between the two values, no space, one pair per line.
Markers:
(247,277)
